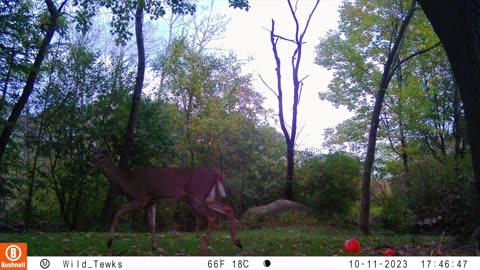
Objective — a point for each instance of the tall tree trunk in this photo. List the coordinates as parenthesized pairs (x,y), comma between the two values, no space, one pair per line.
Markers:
(32,77)
(372,135)
(404,153)
(125,154)
(457,24)
(458,129)
(290,136)
(290,171)
(401,126)
(109,206)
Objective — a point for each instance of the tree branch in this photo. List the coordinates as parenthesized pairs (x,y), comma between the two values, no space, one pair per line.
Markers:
(273,40)
(309,18)
(295,19)
(417,53)
(286,39)
(387,128)
(268,86)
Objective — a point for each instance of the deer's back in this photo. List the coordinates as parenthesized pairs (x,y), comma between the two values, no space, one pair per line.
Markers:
(176,183)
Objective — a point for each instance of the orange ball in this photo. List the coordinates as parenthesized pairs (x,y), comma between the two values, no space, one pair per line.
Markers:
(388,252)
(351,246)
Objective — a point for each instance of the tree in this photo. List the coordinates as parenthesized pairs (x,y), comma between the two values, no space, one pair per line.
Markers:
(290,135)
(389,69)
(17,43)
(457,24)
(196,31)
(373,35)
(52,25)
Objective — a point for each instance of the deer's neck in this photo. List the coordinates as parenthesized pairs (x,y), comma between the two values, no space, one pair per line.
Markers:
(118,177)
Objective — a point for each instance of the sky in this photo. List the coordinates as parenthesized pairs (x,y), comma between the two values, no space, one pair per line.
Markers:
(248,36)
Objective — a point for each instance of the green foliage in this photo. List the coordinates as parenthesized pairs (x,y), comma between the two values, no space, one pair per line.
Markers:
(220,122)
(443,190)
(420,142)
(420,100)
(330,183)
(395,213)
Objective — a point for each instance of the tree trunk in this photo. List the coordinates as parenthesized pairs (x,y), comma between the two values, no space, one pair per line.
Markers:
(457,24)
(290,171)
(110,205)
(32,77)
(401,126)
(372,135)
(404,153)
(125,154)
(368,165)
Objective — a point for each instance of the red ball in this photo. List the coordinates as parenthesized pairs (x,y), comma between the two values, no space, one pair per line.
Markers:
(352,246)
(388,252)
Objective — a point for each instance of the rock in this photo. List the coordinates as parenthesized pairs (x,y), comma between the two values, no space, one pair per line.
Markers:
(254,216)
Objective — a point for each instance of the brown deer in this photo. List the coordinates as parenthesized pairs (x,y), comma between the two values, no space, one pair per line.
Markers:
(144,187)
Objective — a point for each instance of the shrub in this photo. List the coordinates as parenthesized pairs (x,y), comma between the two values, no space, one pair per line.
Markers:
(446,190)
(395,215)
(331,183)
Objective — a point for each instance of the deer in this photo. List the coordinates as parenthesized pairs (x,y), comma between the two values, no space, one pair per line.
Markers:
(144,187)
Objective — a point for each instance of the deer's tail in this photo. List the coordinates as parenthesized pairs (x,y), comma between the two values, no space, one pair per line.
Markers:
(221,186)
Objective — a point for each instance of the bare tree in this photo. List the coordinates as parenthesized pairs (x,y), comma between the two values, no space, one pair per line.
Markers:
(290,132)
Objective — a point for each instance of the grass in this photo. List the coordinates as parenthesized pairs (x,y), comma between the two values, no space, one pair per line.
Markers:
(284,241)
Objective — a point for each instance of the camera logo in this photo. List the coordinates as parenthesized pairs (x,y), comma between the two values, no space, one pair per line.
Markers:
(13,256)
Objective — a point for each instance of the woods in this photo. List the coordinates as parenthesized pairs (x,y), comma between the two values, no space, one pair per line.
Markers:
(147,81)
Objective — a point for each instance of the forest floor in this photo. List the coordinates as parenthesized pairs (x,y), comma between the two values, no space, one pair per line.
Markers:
(282,241)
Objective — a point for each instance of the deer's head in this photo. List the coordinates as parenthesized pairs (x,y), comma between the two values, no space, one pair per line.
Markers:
(100,158)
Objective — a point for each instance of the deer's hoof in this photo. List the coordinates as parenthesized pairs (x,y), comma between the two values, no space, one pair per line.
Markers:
(109,242)
(205,249)
(238,244)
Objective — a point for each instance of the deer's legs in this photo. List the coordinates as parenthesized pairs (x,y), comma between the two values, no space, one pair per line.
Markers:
(212,220)
(201,208)
(132,206)
(198,221)
(227,211)
(152,212)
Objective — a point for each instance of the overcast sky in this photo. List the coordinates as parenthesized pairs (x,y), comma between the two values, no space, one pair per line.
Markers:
(246,35)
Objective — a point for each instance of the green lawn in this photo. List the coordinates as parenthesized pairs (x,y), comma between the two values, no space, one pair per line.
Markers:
(285,241)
